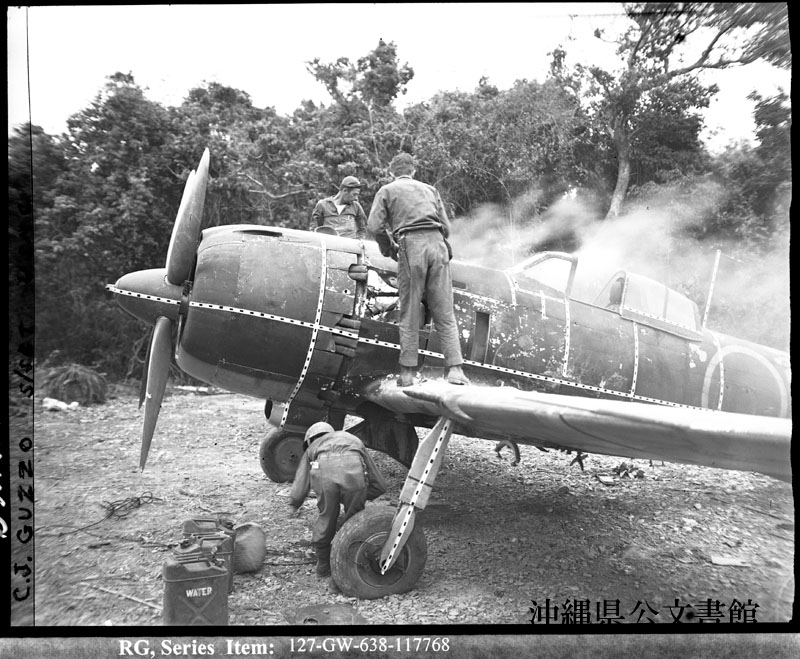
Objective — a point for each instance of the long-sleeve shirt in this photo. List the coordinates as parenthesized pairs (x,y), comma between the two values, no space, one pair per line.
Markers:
(405,205)
(338,441)
(350,223)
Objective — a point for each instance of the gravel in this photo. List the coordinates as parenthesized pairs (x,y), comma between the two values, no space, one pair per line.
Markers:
(505,543)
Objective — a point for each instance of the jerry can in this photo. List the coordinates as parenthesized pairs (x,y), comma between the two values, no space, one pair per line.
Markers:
(202,533)
(189,547)
(206,526)
(195,590)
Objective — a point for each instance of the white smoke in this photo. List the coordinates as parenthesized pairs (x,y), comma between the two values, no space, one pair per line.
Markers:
(751,290)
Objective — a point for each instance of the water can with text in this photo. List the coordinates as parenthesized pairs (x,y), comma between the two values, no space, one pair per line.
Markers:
(195,590)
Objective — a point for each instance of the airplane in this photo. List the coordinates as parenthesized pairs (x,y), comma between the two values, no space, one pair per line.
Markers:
(306,321)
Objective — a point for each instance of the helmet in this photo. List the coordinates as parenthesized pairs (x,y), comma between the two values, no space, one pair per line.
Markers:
(350,182)
(317,429)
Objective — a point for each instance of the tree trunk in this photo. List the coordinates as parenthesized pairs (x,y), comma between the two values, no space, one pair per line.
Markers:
(622,142)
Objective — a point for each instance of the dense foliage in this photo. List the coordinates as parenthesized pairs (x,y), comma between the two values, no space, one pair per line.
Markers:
(100,200)
(661,54)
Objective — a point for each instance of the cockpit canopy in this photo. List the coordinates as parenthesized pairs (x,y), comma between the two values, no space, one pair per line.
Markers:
(643,299)
(633,296)
(553,269)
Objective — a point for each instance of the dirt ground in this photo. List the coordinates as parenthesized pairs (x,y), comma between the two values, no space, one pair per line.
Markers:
(682,542)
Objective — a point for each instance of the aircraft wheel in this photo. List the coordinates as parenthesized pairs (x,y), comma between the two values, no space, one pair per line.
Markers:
(280,454)
(356,552)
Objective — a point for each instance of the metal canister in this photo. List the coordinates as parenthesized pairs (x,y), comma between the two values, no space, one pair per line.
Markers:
(206,526)
(196,546)
(195,591)
(219,542)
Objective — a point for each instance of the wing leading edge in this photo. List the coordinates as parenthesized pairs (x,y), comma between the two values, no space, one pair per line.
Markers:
(629,429)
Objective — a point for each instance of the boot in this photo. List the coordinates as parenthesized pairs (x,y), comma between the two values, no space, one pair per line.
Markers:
(406,378)
(323,568)
(323,562)
(456,376)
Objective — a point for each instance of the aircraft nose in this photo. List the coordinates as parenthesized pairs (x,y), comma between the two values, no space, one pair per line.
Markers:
(147,294)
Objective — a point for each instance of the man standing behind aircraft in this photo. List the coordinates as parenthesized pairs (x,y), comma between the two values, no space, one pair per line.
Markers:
(409,223)
(342,212)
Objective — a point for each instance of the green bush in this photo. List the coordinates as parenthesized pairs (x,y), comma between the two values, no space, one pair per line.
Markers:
(74,382)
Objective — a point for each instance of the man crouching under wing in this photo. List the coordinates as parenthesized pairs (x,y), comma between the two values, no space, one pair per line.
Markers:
(338,468)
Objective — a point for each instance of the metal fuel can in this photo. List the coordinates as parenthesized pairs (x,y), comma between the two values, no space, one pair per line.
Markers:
(195,590)
(209,534)
(206,526)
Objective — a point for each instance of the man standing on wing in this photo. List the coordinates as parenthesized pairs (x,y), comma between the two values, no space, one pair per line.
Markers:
(409,223)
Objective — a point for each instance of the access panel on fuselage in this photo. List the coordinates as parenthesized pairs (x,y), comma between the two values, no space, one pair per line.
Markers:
(252,310)
(602,350)
(478,318)
(379,350)
(540,342)
(663,372)
(332,345)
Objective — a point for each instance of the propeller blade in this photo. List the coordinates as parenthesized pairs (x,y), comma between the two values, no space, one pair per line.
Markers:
(157,372)
(186,230)
(177,242)
(200,186)
(143,385)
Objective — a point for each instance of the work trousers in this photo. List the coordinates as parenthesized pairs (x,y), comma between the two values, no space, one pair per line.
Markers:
(339,480)
(423,270)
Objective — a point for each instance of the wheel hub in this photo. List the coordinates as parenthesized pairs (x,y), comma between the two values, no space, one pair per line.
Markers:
(287,456)
(367,555)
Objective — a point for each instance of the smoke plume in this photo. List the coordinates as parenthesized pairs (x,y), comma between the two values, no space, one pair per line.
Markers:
(750,289)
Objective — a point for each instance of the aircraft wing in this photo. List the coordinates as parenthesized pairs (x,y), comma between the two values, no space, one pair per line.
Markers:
(627,429)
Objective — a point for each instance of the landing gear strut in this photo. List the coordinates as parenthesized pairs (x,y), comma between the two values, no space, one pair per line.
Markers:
(381,551)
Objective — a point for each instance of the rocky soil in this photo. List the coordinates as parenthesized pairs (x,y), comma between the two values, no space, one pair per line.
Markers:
(681,542)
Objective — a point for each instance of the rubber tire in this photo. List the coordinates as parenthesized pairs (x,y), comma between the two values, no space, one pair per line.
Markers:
(356,550)
(280,454)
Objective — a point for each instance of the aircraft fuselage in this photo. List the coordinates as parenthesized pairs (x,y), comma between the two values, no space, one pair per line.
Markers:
(300,319)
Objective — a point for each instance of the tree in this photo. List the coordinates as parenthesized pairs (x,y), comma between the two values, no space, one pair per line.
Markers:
(381,79)
(756,181)
(361,131)
(104,214)
(494,146)
(112,193)
(34,164)
(374,81)
(250,148)
(662,53)
(773,118)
